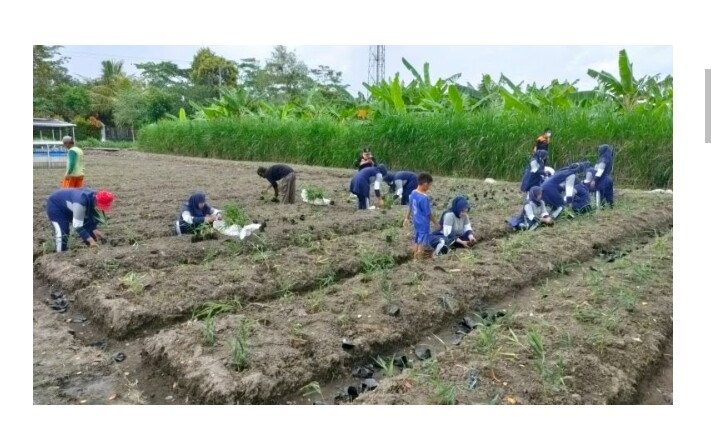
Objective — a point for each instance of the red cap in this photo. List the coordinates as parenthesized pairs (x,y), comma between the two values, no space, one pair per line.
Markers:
(104,200)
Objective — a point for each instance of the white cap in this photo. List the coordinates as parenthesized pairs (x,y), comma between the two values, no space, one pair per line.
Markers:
(66,139)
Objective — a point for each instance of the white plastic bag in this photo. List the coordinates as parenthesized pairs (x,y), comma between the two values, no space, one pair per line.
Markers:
(317,201)
(235,230)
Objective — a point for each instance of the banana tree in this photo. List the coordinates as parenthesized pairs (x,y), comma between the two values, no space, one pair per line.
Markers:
(626,90)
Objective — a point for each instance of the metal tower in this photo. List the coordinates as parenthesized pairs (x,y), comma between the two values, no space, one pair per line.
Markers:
(376,64)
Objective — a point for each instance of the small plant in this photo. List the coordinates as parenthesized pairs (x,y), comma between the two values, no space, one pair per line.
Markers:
(234,214)
(487,339)
(594,278)
(388,201)
(240,353)
(210,255)
(311,389)
(314,192)
(208,331)
(627,300)
(362,294)
(567,340)
(388,366)
(386,286)
(535,341)
(304,240)
(415,278)
(297,329)
(640,272)
(213,309)
(391,235)
(134,282)
(371,261)
(445,394)
(261,254)
(203,232)
(327,279)
(314,302)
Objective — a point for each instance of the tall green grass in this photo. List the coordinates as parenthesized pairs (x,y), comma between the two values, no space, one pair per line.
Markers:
(486,144)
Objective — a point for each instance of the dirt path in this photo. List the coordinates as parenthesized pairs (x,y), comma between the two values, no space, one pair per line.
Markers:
(659,388)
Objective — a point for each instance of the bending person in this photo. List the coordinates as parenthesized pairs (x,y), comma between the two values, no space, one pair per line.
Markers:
(360,185)
(401,184)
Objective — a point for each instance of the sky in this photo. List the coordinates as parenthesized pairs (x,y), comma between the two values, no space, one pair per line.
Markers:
(540,64)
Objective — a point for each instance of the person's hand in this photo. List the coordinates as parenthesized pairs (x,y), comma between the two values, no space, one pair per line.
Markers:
(592,184)
(379,203)
(98,234)
(547,221)
(472,241)
(219,216)
(209,218)
(92,243)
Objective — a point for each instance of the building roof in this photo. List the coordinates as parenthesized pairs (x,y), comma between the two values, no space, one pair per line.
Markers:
(50,123)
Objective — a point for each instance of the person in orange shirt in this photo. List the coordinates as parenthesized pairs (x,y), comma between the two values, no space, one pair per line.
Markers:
(543,140)
(74,176)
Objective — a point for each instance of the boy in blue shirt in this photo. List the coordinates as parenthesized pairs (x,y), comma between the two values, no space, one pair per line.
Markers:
(419,213)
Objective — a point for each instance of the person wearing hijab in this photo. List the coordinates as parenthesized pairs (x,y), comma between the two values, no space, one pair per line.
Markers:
(599,178)
(360,185)
(456,228)
(534,212)
(194,213)
(536,172)
(401,184)
(83,208)
(558,190)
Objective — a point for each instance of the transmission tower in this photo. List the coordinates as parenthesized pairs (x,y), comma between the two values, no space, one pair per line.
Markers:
(376,64)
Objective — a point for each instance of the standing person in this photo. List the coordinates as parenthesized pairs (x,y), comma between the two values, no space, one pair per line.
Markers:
(366,159)
(558,190)
(456,229)
(543,140)
(194,213)
(599,178)
(534,212)
(83,208)
(280,177)
(360,185)
(74,176)
(402,184)
(421,215)
(536,171)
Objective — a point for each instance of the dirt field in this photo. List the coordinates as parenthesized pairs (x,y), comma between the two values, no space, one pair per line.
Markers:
(264,320)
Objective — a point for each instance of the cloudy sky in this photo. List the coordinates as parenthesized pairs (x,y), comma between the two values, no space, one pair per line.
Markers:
(527,64)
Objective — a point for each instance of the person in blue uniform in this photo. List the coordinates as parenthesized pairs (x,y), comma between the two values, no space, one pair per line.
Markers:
(401,184)
(599,178)
(534,212)
(81,208)
(360,185)
(194,213)
(535,172)
(558,190)
(456,229)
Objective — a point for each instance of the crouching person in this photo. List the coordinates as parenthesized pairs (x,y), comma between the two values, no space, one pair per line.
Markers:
(534,212)
(194,213)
